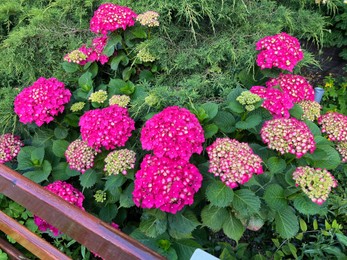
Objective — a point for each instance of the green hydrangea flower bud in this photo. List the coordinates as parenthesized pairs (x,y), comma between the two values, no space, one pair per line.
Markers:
(77,106)
(248,99)
(100,196)
(98,96)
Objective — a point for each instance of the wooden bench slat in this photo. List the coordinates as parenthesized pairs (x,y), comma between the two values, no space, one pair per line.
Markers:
(83,227)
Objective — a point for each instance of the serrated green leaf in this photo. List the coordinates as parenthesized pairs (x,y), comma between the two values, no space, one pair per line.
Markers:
(211,109)
(313,128)
(233,227)
(235,107)
(127,72)
(40,174)
(37,155)
(152,226)
(225,121)
(61,132)
(59,147)
(70,67)
(146,75)
(111,45)
(185,248)
(59,171)
(246,202)
(126,198)
(108,212)
(24,158)
(114,181)
(296,111)
(214,217)
(219,194)
(86,82)
(250,122)
(210,130)
(276,164)
(286,223)
(88,179)
(274,197)
(332,159)
(121,57)
(342,239)
(128,89)
(183,223)
(305,206)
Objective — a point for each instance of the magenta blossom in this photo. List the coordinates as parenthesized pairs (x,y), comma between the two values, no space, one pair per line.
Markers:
(9,147)
(110,17)
(280,51)
(174,132)
(108,127)
(65,191)
(276,101)
(80,156)
(42,101)
(288,135)
(233,162)
(297,87)
(166,184)
(334,125)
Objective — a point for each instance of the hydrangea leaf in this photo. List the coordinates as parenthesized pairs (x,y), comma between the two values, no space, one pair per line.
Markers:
(246,202)
(182,224)
(24,158)
(152,226)
(287,224)
(114,181)
(185,248)
(214,217)
(108,212)
(59,147)
(314,128)
(121,57)
(233,227)
(211,109)
(41,174)
(330,161)
(235,106)
(276,164)
(126,198)
(296,111)
(70,67)
(219,194)
(37,155)
(112,42)
(304,205)
(250,122)
(274,197)
(88,179)
(61,132)
(225,121)
(210,130)
(85,81)
(59,171)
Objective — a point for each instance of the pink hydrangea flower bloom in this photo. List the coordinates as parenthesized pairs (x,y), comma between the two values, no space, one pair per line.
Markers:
(296,86)
(342,149)
(288,135)
(166,184)
(79,56)
(234,162)
(80,156)
(315,183)
(280,51)
(65,191)
(9,147)
(42,101)
(174,132)
(110,17)
(311,110)
(108,127)
(277,102)
(334,125)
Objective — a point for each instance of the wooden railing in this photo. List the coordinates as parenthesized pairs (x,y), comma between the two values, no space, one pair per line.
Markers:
(86,229)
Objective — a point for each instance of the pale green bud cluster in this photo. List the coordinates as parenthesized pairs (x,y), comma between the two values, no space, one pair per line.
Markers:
(311,109)
(77,106)
(120,100)
(145,55)
(248,99)
(100,196)
(342,148)
(119,162)
(75,56)
(98,96)
(149,18)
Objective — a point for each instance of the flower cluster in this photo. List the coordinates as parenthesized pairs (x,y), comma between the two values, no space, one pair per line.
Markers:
(65,191)
(144,55)
(77,106)
(80,156)
(98,96)
(276,101)
(42,101)
(248,99)
(100,196)
(119,161)
(280,51)
(108,127)
(295,86)
(9,147)
(149,18)
(120,100)
(166,184)
(341,147)
(288,135)
(315,183)
(79,56)
(232,161)
(110,17)
(334,125)
(174,132)
(311,109)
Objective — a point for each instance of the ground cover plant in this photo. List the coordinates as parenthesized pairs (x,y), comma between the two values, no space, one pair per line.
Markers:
(250,169)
